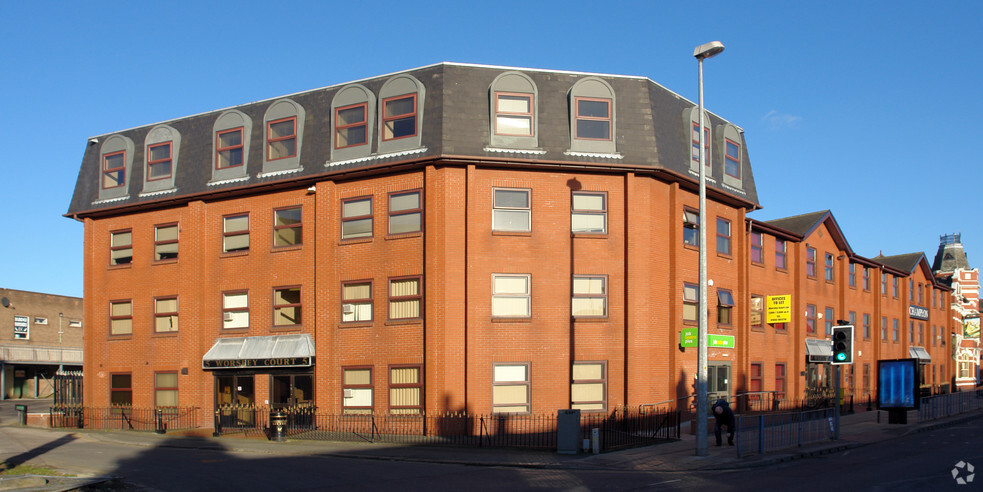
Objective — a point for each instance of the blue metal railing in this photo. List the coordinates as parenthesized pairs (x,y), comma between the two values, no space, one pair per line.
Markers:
(759,434)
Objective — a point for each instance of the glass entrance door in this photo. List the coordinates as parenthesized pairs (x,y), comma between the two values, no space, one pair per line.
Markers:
(718,381)
(235,400)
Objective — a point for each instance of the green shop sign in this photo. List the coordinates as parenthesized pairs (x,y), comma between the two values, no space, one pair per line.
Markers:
(689,337)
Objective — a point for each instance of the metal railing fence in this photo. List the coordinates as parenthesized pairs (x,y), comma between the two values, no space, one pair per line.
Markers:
(947,405)
(758,434)
(158,420)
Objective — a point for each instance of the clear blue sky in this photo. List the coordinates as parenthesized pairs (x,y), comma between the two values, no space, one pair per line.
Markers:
(857,107)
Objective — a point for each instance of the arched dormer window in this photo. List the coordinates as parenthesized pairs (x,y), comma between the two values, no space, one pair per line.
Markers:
(691,127)
(116,164)
(284,132)
(352,121)
(400,114)
(230,146)
(730,148)
(513,112)
(592,117)
(161,149)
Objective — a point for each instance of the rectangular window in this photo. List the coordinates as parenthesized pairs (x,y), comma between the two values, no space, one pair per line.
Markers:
(894,331)
(780,254)
(281,138)
(229,148)
(780,381)
(405,391)
(866,279)
(894,287)
(691,227)
(911,290)
(357,390)
(404,298)
(120,390)
(510,296)
(828,319)
(853,318)
(725,307)
(287,306)
(589,213)
(811,262)
(351,126)
(120,318)
(828,270)
(757,311)
(723,236)
(921,333)
(356,301)
(158,161)
(165,390)
(288,229)
(114,170)
(921,294)
(883,284)
(911,332)
(866,322)
(883,328)
(405,212)
(513,114)
(757,251)
(165,314)
(852,275)
(399,117)
(235,233)
(356,218)
(696,145)
(691,301)
(121,247)
(754,383)
(590,296)
(165,242)
(235,310)
(732,154)
(511,210)
(40,320)
(866,382)
(593,119)
(810,318)
(589,386)
(510,388)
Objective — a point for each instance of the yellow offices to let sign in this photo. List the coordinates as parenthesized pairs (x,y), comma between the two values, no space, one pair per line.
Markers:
(779,309)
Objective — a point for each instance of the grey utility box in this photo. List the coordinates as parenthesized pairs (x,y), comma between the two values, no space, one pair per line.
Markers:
(568,431)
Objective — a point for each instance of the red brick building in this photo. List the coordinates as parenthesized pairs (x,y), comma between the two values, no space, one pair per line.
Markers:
(460,237)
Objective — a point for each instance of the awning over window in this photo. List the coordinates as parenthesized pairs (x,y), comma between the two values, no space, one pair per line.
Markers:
(818,350)
(253,352)
(921,354)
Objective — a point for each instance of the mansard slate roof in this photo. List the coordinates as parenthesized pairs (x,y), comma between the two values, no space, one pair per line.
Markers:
(651,135)
(804,225)
(950,256)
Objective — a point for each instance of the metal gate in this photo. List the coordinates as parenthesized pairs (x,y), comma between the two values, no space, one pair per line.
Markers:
(68,388)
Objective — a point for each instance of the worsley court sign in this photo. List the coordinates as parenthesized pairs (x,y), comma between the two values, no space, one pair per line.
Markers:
(272,362)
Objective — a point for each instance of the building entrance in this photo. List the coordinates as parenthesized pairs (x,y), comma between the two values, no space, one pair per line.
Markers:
(235,400)
(718,381)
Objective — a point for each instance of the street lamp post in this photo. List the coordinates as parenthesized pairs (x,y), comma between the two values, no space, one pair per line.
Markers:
(701,53)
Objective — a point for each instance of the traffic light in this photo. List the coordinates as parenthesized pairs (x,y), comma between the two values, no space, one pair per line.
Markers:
(842,345)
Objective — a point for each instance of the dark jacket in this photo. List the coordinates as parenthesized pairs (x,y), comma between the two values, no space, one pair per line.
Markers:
(726,417)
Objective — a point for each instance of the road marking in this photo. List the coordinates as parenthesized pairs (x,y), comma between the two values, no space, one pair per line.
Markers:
(667,481)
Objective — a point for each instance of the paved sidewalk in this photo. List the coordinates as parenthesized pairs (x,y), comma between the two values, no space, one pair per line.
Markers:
(856,430)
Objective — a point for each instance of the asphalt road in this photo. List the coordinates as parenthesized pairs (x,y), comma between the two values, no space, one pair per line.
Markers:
(921,461)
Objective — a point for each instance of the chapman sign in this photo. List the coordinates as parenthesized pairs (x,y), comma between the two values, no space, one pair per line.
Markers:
(254,363)
(918,312)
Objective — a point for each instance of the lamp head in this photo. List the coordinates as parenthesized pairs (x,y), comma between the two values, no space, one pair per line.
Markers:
(709,50)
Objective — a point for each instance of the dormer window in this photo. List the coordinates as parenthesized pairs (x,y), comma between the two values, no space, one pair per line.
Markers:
(284,122)
(728,143)
(593,119)
(163,144)
(696,145)
(399,117)
(159,161)
(400,114)
(281,139)
(351,126)
(513,103)
(229,147)
(115,167)
(114,170)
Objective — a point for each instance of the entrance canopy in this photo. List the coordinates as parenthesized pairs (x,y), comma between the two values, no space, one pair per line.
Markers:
(921,354)
(255,352)
(818,350)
